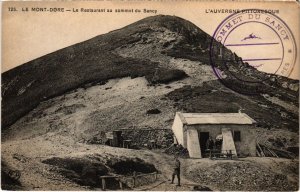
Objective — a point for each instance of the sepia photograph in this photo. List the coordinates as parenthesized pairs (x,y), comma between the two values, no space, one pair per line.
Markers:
(134,95)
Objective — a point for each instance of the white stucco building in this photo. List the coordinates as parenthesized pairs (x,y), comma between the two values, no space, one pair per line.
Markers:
(192,130)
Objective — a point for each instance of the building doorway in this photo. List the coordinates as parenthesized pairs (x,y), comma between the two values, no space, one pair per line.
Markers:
(203,137)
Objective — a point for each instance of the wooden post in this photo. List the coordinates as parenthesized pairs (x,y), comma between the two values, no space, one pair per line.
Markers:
(121,184)
(262,153)
(103,184)
(155,176)
(134,177)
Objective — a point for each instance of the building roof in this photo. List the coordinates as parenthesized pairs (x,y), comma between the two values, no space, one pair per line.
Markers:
(215,118)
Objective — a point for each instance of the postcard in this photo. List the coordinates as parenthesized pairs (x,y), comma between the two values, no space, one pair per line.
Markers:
(158,95)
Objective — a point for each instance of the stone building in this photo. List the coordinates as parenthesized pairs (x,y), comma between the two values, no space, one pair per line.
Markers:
(192,130)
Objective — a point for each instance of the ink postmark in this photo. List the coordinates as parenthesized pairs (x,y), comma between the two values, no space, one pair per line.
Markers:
(252,39)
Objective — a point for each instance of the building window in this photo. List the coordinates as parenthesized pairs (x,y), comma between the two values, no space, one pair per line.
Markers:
(237,136)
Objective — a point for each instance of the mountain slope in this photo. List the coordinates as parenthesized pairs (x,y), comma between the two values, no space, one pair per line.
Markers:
(136,50)
(54,106)
(90,61)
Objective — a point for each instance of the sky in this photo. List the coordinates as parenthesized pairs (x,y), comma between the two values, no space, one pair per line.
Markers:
(27,35)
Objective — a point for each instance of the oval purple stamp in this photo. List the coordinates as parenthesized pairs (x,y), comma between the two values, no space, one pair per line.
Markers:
(250,46)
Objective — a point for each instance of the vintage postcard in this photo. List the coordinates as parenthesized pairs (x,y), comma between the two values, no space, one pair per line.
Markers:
(159,95)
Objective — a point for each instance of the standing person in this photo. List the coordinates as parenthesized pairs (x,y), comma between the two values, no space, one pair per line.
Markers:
(176,170)
(210,144)
(219,141)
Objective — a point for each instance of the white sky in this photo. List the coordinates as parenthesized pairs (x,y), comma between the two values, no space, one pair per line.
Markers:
(29,35)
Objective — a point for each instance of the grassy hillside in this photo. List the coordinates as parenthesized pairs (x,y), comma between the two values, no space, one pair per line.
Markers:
(212,98)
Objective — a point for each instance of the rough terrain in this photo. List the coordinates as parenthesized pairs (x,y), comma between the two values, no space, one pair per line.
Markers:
(112,82)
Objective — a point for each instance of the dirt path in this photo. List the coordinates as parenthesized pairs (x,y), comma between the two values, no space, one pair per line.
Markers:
(164,165)
(194,172)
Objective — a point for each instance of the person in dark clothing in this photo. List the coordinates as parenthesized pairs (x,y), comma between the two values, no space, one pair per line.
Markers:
(176,171)
(210,145)
(218,143)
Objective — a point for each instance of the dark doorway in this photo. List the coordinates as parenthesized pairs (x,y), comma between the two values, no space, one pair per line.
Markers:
(203,137)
